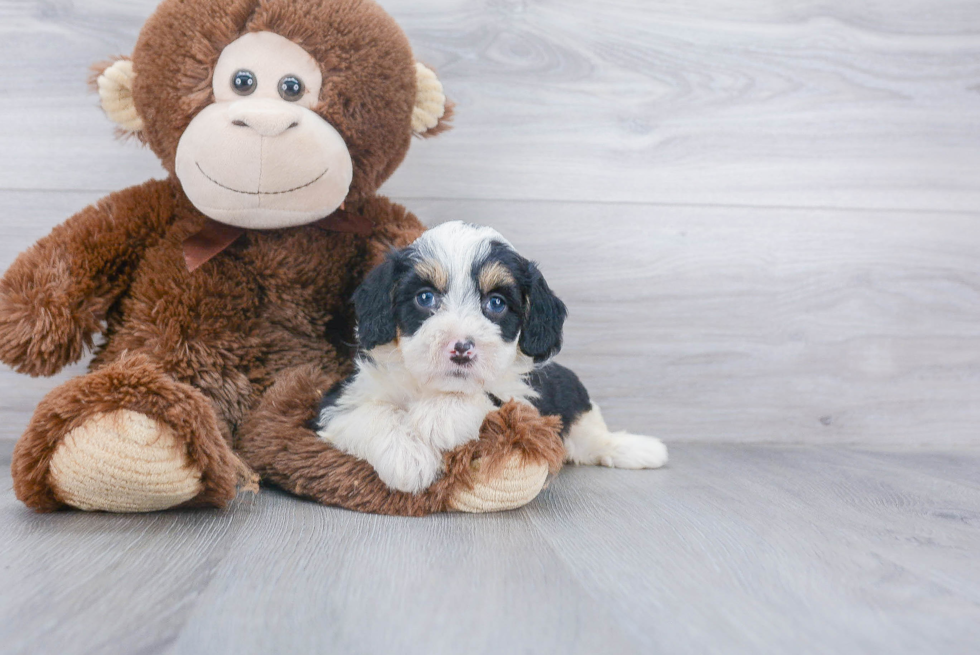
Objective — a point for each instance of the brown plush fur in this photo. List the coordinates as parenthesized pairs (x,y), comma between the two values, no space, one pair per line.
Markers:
(197,351)
(271,301)
(278,438)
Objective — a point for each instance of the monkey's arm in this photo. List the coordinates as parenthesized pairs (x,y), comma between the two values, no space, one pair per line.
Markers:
(55,294)
(505,468)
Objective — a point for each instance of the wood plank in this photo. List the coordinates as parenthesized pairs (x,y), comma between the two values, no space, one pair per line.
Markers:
(331,581)
(767,549)
(739,324)
(732,548)
(721,324)
(789,104)
(959,466)
(89,583)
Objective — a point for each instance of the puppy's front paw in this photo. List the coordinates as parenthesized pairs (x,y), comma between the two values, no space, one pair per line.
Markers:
(409,469)
(449,421)
(634,451)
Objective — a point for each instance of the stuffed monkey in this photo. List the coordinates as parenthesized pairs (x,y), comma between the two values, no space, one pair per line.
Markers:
(222,292)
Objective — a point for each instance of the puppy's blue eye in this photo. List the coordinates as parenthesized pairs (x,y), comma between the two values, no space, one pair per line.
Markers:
(426,299)
(495,305)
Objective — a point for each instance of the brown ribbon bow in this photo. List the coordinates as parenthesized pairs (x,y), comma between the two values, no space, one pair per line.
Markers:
(214,237)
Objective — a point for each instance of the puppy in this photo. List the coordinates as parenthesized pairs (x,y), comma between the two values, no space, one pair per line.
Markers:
(449,328)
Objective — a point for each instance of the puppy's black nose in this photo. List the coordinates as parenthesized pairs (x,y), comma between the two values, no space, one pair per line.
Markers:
(462,347)
(462,352)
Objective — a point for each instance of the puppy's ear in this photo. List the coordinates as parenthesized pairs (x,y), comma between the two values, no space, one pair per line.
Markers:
(374,305)
(544,316)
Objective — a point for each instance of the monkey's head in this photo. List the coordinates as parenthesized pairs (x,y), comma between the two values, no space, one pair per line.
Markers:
(272,113)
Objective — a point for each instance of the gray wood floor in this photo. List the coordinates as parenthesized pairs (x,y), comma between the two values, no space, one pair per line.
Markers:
(765,218)
(732,549)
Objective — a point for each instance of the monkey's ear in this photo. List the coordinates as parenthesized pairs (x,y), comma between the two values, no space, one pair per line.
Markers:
(433,111)
(114,81)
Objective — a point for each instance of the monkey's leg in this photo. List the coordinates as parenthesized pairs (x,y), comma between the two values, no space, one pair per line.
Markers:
(124,438)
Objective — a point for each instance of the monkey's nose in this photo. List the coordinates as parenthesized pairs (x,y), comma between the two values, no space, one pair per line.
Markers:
(267,117)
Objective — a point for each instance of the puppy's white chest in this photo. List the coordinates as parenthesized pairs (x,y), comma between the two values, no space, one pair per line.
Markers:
(445,421)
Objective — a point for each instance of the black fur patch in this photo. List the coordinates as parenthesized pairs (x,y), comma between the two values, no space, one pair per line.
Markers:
(374,306)
(408,315)
(329,399)
(544,318)
(562,394)
(385,301)
(538,315)
(512,320)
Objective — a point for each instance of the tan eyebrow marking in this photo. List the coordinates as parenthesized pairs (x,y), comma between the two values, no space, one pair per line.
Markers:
(495,275)
(433,272)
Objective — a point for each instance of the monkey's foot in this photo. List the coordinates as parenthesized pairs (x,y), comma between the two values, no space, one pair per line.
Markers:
(123,461)
(125,438)
(514,484)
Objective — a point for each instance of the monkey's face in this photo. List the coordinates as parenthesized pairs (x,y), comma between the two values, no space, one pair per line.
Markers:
(272,113)
(259,157)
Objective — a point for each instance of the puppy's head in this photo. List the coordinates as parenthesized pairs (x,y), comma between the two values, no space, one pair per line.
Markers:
(461,306)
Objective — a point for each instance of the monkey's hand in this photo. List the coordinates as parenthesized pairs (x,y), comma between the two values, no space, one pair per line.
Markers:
(44,323)
(509,465)
(55,294)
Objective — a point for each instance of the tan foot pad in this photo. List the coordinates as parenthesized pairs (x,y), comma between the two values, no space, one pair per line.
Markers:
(515,485)
(123,461)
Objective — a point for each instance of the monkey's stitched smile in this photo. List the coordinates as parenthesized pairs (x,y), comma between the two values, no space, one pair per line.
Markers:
(262,193)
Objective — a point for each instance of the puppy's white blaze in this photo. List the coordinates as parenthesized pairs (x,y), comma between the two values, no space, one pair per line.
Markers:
(456,242)
(457,245)
(589,441)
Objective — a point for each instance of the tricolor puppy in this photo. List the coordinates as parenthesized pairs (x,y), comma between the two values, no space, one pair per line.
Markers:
(449,328)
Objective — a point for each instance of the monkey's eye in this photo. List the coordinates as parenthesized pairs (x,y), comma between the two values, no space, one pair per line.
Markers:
(243,83)
(426,299)
(291,88)
(495,305)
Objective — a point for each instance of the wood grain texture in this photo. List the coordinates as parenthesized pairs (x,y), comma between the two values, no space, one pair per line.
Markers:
(808,550)
(721,324)
(742,324)
(815,104)
(731,549)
